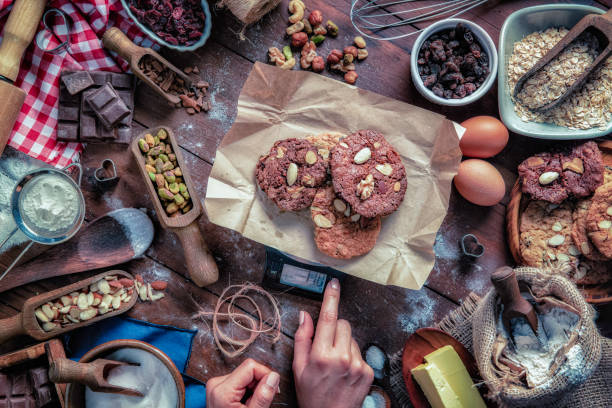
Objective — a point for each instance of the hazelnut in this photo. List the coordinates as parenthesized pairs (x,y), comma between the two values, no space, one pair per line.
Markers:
(351,50)
(298,40)
(351,77)
(334,57)
(315,18)
(318,64)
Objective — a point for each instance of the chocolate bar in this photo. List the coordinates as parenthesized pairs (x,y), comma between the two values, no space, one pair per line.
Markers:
(23,388)
(107,105)
(76,82)
(77,121)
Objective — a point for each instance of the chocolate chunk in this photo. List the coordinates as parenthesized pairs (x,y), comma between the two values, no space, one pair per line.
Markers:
(107,105)
(27,401)
(4,403)
(70,128)
(43,395)
(20,384)
(78,81)
(38,376)
(5,385)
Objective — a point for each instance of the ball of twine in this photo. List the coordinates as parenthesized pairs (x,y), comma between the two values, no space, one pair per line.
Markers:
(249,11)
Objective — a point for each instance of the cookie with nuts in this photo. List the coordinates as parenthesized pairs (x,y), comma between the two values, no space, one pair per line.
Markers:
(325,142)
(368,173)
(291,173)
(599,220)
(592,272)
(340,232)
(582,169)
(545,234)
(579,232)
(540,177)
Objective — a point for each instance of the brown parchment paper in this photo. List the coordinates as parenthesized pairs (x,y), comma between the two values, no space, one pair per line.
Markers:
(276,104)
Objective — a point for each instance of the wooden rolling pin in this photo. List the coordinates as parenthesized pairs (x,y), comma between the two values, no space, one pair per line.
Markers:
(18,34)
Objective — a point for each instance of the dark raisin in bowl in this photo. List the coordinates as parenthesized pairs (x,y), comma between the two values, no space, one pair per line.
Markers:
(453,63)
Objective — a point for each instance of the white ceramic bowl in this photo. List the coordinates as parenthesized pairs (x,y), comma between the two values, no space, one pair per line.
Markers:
(485,42)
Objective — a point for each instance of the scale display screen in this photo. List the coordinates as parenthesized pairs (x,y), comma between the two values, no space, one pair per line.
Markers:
(303,278)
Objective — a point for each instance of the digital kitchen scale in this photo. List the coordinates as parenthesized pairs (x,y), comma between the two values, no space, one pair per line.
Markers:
(286,273)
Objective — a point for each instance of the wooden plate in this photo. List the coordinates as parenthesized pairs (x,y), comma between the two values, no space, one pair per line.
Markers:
(421,343)
(595,294)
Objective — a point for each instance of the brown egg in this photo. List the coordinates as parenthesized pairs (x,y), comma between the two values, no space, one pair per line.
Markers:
(479,182)
(485,136)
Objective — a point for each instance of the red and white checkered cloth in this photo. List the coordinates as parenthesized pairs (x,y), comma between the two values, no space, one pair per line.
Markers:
(35,130)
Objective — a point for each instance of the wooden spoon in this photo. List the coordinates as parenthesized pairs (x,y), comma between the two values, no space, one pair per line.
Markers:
(118,42)
(601,26)
(515,305)
(114,238)
(201,265)
(94,375)
(26,322)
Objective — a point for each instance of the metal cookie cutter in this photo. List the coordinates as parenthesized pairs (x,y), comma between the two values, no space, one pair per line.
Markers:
(471,246)
(106,175)
(58,26)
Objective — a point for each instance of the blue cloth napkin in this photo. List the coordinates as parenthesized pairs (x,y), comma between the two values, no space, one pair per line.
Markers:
(175,342)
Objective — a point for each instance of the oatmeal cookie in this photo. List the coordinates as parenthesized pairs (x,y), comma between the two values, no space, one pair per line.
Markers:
(291,173)
(340,232)
(592,272)
(325,142)
(541,177)
(368,174)
(579,232)
(545,234)
(582,169)
(599,220)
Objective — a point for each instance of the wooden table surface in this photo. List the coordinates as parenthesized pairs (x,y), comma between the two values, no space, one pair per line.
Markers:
(382,315)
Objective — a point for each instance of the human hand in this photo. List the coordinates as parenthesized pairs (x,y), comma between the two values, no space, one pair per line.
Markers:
(229,391)
(329,371)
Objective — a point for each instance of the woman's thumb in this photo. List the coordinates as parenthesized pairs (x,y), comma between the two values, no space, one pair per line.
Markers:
(265,391)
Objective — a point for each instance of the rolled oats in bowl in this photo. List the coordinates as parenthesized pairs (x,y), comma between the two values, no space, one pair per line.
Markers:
(588,107)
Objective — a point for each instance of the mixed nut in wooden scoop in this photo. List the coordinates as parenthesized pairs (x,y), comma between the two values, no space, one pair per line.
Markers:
(166,175)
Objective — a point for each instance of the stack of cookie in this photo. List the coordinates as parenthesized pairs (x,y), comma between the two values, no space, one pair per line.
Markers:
(569,216)
(349,183)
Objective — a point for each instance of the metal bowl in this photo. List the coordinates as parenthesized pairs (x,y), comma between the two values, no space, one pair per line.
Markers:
(157,39)
(485,42)
(518,25)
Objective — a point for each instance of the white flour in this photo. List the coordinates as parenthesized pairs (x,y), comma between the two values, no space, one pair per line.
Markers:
(49,203)
(152,378)
(537,358)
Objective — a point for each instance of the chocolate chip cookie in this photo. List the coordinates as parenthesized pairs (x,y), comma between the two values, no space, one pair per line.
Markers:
(579,232)
(592,272)
(582,169)
(368,174)
(325,142)
(541,177)
(340,232)
(599,220)
(291,173)
(545,234)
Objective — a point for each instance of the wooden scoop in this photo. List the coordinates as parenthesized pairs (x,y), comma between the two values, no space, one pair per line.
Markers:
(18,34)
(118,42)
(201,265)
(114,238)
(601,26)
(94,375)
(515,305)
(26,322)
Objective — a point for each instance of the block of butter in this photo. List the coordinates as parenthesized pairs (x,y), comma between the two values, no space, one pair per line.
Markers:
(446,382)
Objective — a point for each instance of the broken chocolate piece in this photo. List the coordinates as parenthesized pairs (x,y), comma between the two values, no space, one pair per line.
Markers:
(107,105)
(77,81)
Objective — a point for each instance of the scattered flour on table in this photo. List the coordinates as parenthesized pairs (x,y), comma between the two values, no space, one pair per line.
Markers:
(443,249)
(419,311)
(537,357)
(152,378)
(139,232)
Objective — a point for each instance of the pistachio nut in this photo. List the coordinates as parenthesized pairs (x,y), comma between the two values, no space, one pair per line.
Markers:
(150,160)
(152,176)
(178,172)
(149,139)
(332,28)
(165,194)
(317,39)
(182,188)
(179,199)
(292,173)
(169,176)
(172,157)
(167,166)
(155,151)
(287,52)
(363,155)
(164,157)
(172,208)
(162,134)
(186,208)
(174,188)
(159,165)
(149,168)
(160,182)
(168,148)
(144,146)
(186,195)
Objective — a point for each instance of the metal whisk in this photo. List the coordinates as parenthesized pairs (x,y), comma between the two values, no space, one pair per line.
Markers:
(377,18)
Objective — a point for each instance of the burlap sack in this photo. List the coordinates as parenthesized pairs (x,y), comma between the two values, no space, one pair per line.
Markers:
(562,385)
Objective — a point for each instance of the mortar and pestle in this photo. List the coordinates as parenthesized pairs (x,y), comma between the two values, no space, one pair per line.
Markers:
(75,392)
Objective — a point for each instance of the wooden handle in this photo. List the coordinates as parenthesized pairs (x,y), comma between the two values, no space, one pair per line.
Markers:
(11,327)
(202,267)
(504,280)
(63,370)
(115,40)
(18,34)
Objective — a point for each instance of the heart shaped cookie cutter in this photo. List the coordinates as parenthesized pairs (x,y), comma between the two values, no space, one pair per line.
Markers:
(106,174)
(471,246)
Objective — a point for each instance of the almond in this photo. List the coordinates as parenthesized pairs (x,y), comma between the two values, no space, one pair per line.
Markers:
(97,299)
(157,296)
(322,222)
(548,177)
(41,316)
(355,217)
(573,251)
(604,224)
(46,309)
(88,314)
(556,240)
(557,227)
(292,173)
(311,157)
(362,156)
(142,293)
(116,302)
(48,326)
(104,287)
(609,211)
(103,309)
(159,285)
(90,299)
(66,300)
(339,205)
(385,169)
(82,302)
